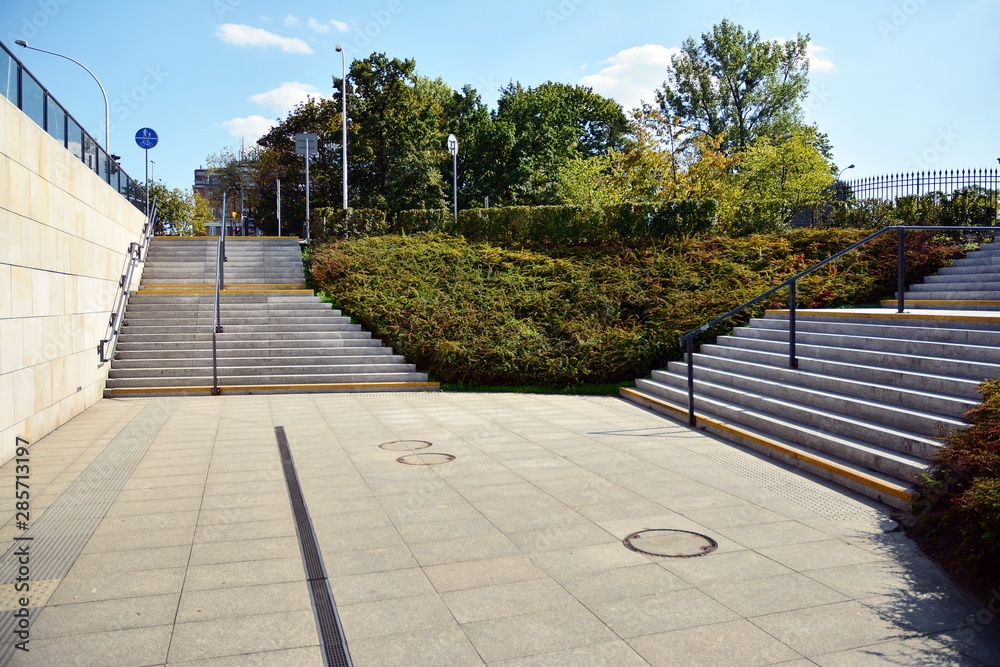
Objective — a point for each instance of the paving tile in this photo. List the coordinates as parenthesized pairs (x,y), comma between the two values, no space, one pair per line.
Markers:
(475,574)
(479,604)
(116,562)
(624,582)
(464,549)
(366,561)
(208,553)
(207,605)
(776,534)
(247,634)
(137,646)
(424,648)
(92,588)
(534,634)
(334,541)
(891,654)
(378,586)
(736,643)
(246,530)
(661,612)
(280,512)
(831,628)
(300,657)
(63,620)
(819,555)
(559,538)
(244,573)
(389,617)
(719,568)
(569,563)
(612,654)
(758,597)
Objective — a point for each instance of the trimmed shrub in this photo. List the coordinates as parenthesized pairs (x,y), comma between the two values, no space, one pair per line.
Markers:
(565,315)
(422,220)
(957,505)
(352,223)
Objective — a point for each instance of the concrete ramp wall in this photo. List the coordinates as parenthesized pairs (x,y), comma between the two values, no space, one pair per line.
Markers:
(64,236)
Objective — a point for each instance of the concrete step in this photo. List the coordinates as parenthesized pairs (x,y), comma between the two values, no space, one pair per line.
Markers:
(902,361)
(879,374)
(280,329)
(250,343)
(319,379)
(941,333)
(908,346)
(866,481)
(203,359)
(856,451)
(906,442)
(231,372)
(928,292)
(202,320)
(959,305)
(836,391)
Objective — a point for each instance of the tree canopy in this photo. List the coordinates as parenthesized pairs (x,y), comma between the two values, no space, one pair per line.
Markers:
(735,85)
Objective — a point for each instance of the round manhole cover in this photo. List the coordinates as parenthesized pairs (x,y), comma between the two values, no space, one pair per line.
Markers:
(671,543)
(404,445)
(426,459)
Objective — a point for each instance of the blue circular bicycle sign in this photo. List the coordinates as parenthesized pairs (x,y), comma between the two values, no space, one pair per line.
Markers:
(146,138)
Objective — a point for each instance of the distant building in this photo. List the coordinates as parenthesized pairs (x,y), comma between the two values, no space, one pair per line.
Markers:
(205,182)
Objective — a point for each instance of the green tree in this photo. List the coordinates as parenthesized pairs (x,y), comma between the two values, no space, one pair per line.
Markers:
(734,85)
(536,131)
(174,210)
(201,215)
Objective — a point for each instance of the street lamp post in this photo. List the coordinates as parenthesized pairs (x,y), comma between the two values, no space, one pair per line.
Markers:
(453,149)
(842,172)
(107,108)
(343,140)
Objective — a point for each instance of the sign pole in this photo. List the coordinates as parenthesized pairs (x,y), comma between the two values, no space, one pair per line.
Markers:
(147,182)
(307,192)
(279,207)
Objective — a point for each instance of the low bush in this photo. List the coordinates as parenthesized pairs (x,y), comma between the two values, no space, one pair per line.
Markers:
(957,505)
(567,315)
(350,223)
(422,220)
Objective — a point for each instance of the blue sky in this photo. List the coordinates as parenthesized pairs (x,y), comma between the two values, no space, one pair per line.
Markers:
(898,85)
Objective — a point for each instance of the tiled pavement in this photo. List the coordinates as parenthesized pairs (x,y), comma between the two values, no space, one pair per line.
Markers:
(509,555)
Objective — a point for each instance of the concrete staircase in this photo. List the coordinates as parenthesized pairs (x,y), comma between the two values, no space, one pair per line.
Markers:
(874,391)
(277,336)
(971,283)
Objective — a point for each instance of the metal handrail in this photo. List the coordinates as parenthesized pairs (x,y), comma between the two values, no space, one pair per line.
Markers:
(217,323)
(136,251)
(687,340)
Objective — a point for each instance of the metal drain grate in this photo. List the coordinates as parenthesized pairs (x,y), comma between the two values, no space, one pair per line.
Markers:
(670,543)
(331,632)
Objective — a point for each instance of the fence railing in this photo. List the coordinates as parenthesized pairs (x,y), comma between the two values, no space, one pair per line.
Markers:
(687,340)
(136,252)
(894,186)
(20,86)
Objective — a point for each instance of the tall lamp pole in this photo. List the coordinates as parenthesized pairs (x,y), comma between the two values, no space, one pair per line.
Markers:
(453,149)
(343,139)
(107,108)
(842,172)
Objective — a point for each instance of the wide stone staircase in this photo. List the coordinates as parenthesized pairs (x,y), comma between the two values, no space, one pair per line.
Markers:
(873,393)
(277,337)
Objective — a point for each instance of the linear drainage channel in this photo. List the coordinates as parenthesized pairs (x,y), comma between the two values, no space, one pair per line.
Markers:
(331,632)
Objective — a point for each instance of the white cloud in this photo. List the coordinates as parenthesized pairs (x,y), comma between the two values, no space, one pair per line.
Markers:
(818,63)
(334,24)
(340,25)
(633,75)
(251,128)
(244,35)
(283,99)
(316,26)
(292,21)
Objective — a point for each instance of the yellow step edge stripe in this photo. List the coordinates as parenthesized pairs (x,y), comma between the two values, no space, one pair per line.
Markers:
(277,387)
(296,292)
(228,238)
(882,486)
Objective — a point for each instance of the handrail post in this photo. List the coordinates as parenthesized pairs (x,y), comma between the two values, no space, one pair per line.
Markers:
(793,362)
(900,268)
(692,420)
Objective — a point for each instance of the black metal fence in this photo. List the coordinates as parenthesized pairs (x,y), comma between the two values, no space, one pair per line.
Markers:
(894,186)
(19,86)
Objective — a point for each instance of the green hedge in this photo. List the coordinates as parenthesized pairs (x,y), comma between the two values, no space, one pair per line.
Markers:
(574,224)
(423,220)
(352,223)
